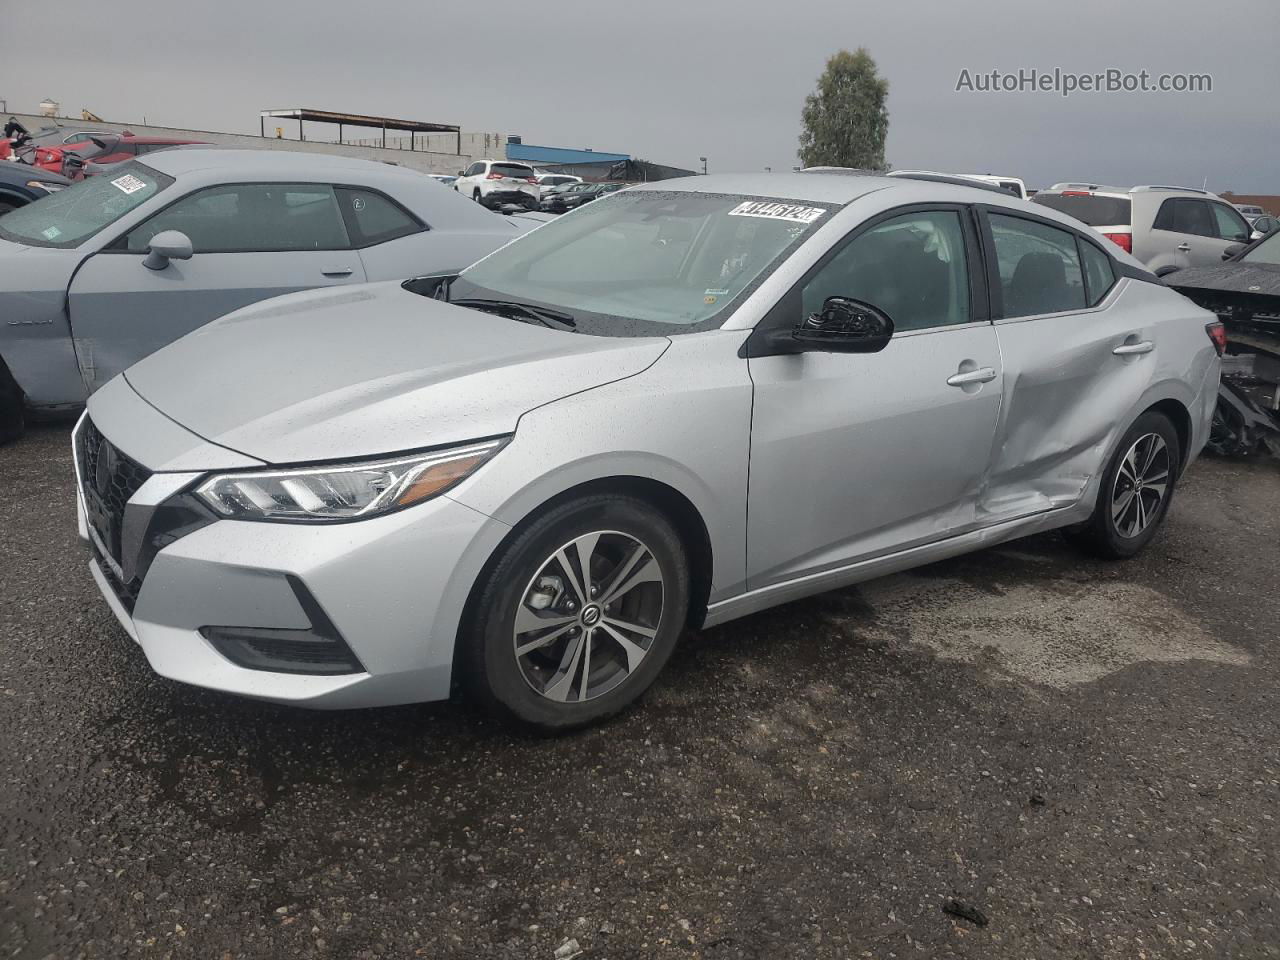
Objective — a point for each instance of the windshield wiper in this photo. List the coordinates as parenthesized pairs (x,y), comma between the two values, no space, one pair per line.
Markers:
(548,318)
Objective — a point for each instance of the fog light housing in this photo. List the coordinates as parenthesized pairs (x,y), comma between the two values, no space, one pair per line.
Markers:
(318,650)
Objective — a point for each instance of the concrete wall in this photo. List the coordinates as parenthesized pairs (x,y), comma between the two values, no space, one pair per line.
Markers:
(441,159)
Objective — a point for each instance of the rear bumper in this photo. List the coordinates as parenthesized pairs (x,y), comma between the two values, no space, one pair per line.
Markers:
(498,198)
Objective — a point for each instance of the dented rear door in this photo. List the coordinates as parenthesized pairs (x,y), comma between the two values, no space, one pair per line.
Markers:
(1066,391)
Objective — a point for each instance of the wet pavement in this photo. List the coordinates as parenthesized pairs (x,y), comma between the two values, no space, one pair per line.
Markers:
(1084,752)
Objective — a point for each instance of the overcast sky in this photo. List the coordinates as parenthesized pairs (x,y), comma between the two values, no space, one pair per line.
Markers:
(673,80)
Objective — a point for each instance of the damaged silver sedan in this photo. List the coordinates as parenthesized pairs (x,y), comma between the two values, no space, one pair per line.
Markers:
(678,405)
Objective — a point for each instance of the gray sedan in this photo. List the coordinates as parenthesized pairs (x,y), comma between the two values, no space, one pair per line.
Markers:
(96,277)
(675,406)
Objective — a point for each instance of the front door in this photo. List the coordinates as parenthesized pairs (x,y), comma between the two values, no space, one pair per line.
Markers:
(859,455)
(250,242)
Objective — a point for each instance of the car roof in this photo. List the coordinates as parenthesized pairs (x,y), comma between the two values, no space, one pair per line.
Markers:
(266,163)
(831,186)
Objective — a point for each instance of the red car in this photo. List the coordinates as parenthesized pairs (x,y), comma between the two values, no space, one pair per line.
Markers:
(102,149)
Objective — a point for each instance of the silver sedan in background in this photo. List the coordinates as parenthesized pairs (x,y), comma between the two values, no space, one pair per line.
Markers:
(678,405)
(97,276)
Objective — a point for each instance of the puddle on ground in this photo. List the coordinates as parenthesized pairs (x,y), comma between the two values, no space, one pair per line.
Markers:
(1073,633)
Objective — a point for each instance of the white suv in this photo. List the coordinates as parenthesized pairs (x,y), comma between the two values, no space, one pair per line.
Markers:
(496,183)
(1167,228)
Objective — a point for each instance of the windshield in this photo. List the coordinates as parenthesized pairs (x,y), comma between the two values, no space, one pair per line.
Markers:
(644,263)
(1264,251)
(71,216)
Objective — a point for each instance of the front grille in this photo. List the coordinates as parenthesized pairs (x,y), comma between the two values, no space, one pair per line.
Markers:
(108,480)
(126,593)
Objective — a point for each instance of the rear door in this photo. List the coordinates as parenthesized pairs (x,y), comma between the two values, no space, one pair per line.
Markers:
(1185,234)
(250,241)
(859,455)
(1055,300)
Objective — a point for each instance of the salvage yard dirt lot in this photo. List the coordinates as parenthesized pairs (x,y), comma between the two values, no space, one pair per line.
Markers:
(1087,753)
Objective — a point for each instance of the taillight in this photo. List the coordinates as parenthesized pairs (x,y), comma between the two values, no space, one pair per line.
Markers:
(494,176)
(1122,240)
(1218,334)
(1076,193)
(530,179)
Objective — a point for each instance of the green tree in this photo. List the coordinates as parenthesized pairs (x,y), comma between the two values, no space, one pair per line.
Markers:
(845,119)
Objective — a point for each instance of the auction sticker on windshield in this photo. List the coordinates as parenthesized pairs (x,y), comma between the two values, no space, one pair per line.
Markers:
(128,184)
(777,211)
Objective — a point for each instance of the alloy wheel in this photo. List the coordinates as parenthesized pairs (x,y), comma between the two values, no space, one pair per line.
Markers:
(1140,486)
(588,617)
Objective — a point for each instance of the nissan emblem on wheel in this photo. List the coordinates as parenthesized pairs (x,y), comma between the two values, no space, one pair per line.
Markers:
(682,403)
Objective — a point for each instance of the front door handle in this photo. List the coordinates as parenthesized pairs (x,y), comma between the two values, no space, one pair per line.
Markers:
(980,375)
(338,272)
(1184,247)
(1129,349)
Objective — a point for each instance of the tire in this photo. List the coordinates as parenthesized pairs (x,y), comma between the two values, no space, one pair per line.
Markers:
(13,420)
(578,652)
(1117,530)
(475,195)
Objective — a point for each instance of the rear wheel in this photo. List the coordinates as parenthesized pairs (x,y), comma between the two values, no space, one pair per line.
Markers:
(578,615)
(475,195)
(13,419)
(1137,488)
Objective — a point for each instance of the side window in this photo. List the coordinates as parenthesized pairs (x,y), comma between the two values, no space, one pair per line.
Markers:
(1039,267)
(251,217)
(372,218)
(912,267)
(474,170)
(1184,215)
(1099,275)
(1231,226)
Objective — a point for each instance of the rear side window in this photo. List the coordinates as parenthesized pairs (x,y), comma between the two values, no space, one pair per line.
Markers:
(372,218)
(251,217)
(1099,275)
(1185,215)
(1089,208)
(1039,267)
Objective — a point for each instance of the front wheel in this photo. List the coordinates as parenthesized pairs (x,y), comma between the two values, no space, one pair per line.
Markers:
(1136,490)
(578,614)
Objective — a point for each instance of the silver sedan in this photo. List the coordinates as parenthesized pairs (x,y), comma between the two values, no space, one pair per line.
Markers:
(94,278)
(676,406)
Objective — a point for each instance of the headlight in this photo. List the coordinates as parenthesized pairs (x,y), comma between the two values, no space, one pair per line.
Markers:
(46,187)
(348,491)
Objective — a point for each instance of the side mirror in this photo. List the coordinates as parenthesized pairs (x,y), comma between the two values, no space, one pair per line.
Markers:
(460,173)
(844,325)
(165,246)
(1232,250)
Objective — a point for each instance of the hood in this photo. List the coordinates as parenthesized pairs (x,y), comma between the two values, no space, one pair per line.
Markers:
(368,370)
(1235,277)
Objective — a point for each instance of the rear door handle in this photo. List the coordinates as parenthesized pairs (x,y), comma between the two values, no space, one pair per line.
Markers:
(1184,247)
(338,272)
(981,375)
(1129,349)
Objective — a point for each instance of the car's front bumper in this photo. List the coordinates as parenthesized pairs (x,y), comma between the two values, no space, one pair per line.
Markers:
(393,587)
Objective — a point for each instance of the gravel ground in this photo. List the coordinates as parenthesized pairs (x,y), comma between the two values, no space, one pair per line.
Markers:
(1084,752)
